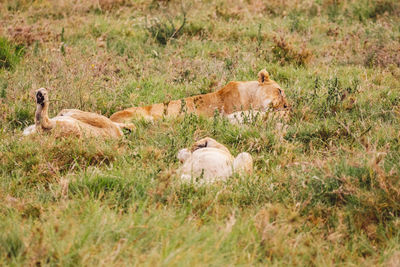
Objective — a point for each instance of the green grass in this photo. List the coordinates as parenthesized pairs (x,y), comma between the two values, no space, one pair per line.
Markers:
(325,188)
(9,54)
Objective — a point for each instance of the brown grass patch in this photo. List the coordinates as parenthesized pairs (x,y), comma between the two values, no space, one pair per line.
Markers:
(285,53)
(382,55)
(27,35)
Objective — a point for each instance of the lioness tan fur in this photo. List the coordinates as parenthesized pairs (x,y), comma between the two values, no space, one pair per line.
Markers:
(260,95)
(209,161)
(71,122)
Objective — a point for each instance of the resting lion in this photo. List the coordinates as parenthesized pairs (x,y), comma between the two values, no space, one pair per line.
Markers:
(260,95)
(209,161)
(71,122)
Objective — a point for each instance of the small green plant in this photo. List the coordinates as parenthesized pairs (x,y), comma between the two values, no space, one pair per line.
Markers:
(229,63)
(36,48)
(333,9)
(165,30)
(10,54)
(329,96)
(62,35)
(333,96)
(22,117)
(297,23)
(62,47)
(18,5)
(259,37)
(195,29)
(11,244)
(4,86)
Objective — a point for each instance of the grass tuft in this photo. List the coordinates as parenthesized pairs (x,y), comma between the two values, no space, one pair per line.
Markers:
(165,29)
(10,54)
(284,53)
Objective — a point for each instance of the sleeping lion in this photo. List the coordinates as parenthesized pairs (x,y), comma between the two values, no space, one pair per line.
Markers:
(71,122)
(209,161)
(261,96)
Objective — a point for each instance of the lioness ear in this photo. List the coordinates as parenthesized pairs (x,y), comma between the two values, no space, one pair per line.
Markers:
(263,76)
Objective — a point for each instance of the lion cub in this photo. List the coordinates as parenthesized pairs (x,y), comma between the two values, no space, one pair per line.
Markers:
(209,161)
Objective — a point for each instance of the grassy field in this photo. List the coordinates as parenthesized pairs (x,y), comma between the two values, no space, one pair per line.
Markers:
(325,189)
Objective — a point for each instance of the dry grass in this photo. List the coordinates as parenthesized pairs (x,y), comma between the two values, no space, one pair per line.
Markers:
(285,53)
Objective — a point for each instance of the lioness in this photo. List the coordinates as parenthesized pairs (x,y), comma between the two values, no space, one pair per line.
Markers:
(209,161)
(71,122)
(258,95)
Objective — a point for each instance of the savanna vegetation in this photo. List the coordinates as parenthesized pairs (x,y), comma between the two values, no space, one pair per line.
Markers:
(325,189)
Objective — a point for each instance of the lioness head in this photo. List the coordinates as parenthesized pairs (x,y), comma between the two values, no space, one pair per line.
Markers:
(272,94)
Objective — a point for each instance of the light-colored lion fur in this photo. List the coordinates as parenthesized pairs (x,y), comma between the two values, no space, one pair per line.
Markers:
(262,95)
(209,161)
